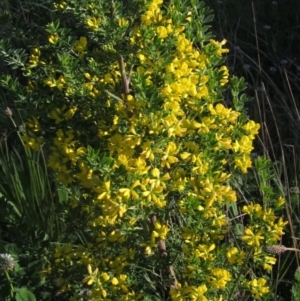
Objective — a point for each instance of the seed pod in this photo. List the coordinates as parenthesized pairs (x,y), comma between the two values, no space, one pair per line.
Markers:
(6,262)
(275,249)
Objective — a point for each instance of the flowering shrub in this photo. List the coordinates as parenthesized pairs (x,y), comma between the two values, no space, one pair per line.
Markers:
(129,105)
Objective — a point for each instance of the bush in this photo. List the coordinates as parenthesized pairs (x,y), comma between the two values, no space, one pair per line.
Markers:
(127,101)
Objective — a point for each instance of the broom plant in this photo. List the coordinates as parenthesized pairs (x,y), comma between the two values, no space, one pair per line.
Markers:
(128,104)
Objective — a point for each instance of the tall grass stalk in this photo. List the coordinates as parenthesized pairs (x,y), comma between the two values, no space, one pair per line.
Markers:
(27,189)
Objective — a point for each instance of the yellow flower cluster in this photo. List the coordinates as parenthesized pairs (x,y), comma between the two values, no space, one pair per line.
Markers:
(34,57)
(269,232)
(167,148)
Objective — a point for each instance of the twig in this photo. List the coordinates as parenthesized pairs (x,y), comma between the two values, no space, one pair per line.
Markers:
(163,252)
(125,80)
(125,84)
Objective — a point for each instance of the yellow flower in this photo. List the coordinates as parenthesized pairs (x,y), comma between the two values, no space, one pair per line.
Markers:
(34,57)
(220,278)
(197,293)
(70,113)
(168,159)
(50,82)
(244,145)
(87,75)
(93,23)
(60,82)
(61,5)
(53,38)
(80,46)
(115,281)
(57,115)
(115,235)
(105,276)
(280,202)
(33,124)
(154,194)
(105,191)
(189,16)
(148,251)
(128,193)
(253,209)
(122,22)
(160,231)
(218,45)
(242,162)
(32,141)
(147,151)
(234,256)
(252,128)
(268,262)
(252,239)
(203,251)
(257,287)
(162,32)
(224,79)
(91,277)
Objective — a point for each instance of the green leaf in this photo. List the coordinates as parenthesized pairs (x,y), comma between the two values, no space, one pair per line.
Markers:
(239,230)
(23,294)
